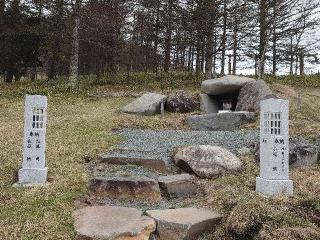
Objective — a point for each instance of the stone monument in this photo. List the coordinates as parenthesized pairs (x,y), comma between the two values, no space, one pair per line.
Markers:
(34,171)
(274,153)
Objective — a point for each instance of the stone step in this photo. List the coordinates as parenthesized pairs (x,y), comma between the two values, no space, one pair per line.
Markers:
(141,188)
(183,223)
(113,223)
(153,160)
(175,186)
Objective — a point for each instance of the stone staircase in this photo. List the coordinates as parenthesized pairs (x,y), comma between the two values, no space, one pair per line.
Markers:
(136,194)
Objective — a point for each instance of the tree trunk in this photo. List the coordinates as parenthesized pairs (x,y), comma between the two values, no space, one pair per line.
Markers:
(74,64)
(291,56)
(301,56)
(168,37)
(274,53)
(198,60)
(209,54)
(214,56)
(229,65)
(263,38)
(224,36)
(190,58)
(235,47)
(274,38)
(2,8)
(156,40)
(203,57)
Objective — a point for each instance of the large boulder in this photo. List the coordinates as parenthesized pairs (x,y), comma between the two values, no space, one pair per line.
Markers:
(228,121)
(147,104)
(206,161)
(126,188)
(301,152)
(112,223)
(183,223)
(181,102)
(251,95)
(223,85)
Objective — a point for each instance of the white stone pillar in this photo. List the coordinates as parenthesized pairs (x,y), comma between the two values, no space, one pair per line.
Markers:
(274,149)
(34,169)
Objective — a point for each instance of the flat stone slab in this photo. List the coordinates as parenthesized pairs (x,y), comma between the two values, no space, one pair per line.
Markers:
(112,223)
(151,148)
(223,85)
(174,186)
(228,121)
(183,223)
(140,158)
(147,104)
(126,188)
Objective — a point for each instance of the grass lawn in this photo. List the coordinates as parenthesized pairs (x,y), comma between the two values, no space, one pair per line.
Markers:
(80,126)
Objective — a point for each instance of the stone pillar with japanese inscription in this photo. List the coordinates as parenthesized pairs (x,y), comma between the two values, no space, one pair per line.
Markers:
(34,170)
(274,149)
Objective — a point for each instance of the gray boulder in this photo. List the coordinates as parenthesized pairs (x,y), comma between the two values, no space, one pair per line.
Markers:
(147,104)
(206,161)
(301,152)
(183,223)
(223,85)
(181,102)
(113,223)
(228,121)
(251,95)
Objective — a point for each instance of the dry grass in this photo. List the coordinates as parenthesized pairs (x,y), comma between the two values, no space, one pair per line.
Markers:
(81,126)
(304,109)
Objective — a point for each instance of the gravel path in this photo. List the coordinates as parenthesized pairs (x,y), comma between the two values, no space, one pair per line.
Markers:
(150,144)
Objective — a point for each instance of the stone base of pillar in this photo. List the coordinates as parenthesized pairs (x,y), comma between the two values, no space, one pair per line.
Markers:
(274,187)
(32,176)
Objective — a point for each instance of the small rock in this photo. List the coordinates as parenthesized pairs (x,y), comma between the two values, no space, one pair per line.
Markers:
(206,161)
(126,187)
(113,223)
(301,152)
(147,104)
(223,85)
(183,223)
(251,95)
(181,102)
(228,121)
(177,185)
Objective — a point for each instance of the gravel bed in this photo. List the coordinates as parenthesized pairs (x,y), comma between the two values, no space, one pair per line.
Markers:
(150,144)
